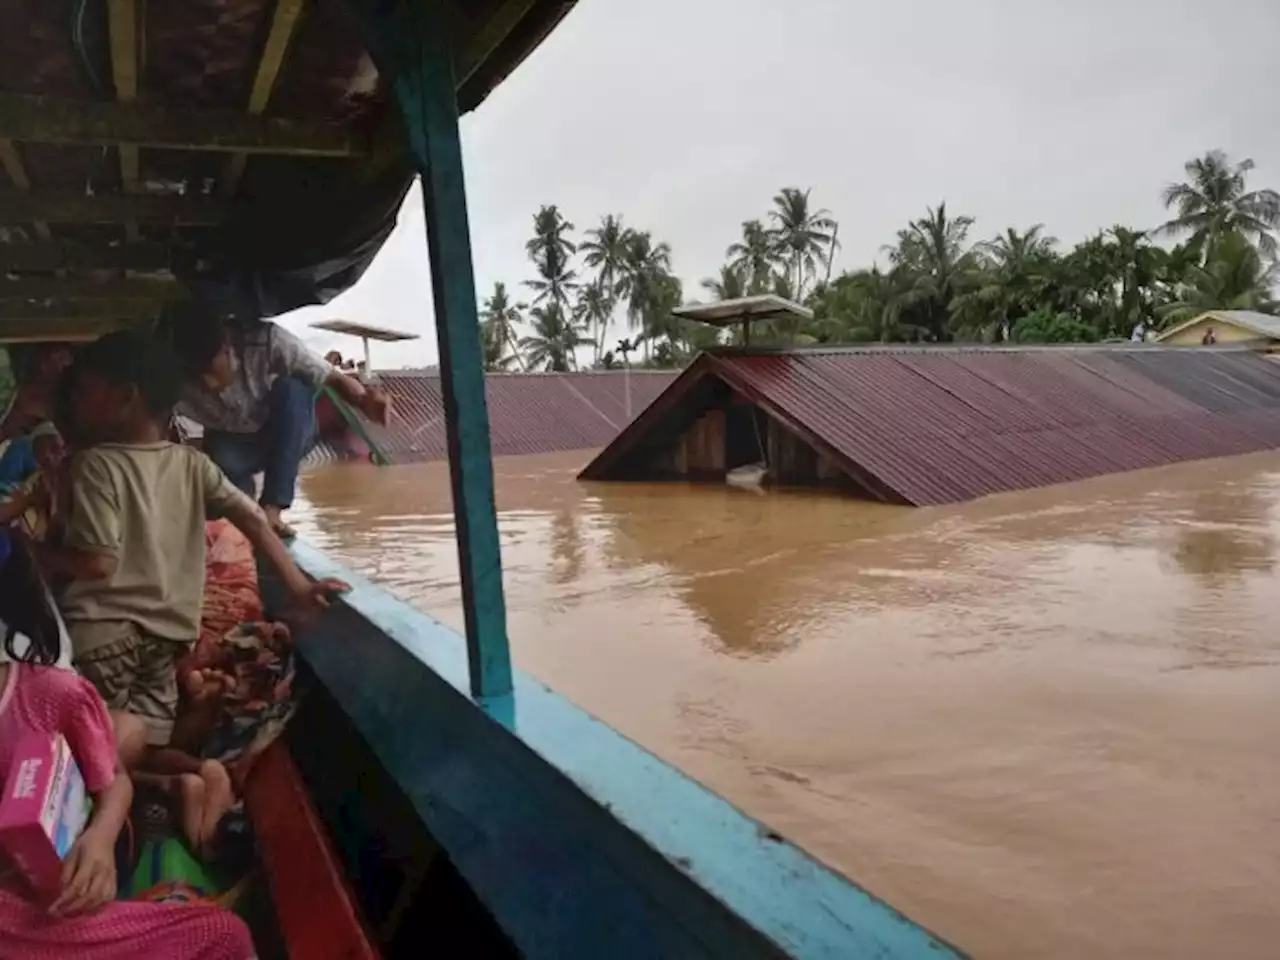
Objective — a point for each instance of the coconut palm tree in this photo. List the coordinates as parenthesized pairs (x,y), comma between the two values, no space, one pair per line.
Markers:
(498,319)
(592,312)
(605,251)
(551,251)
(727,286)
(1214,201)
(554,341)
(754,257)
(646,266)
(934,250)
(802,237)
(1235,279)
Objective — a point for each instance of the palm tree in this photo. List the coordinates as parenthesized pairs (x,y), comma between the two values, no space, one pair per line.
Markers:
(934,250)
(498,319)
(1016,250)
(646,266)
(593,311)
(554,340)
(605,251)
(753,257)
(1235,279)
(551,251)
(1214,201)
(727,286)
(802,237)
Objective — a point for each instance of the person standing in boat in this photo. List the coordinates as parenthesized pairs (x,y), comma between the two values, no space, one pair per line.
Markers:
(253,388)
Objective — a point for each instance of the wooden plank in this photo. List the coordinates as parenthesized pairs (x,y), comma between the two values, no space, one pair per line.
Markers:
(12,164)
(314,906)
(48,257)
(283,22)
(56,206)
(122,20)
(62,331)
(77,123)
(490,36)
(68,310)
(71,288)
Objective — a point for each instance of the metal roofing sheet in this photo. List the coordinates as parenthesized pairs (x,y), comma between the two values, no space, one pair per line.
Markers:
(947,425)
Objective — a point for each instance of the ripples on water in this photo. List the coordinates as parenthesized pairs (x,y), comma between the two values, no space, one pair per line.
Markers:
(1044,724)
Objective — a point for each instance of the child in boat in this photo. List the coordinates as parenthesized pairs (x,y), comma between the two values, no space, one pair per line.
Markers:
(36,502)
(84,922)
(133,551)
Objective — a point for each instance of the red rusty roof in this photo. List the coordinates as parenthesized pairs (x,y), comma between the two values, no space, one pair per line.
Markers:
(941,425)
(528,413)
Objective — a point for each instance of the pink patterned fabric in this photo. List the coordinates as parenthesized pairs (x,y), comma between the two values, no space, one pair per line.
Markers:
(54,700)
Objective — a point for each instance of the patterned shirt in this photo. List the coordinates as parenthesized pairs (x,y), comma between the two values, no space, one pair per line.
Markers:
(243,406)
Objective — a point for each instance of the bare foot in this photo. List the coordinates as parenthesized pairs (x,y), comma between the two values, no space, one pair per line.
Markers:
(219,798)
(192,804)
(281,529)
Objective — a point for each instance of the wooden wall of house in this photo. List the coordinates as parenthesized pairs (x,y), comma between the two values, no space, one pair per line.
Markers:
(699,453)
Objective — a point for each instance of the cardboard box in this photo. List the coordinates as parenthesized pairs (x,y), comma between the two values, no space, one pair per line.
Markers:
(43,810)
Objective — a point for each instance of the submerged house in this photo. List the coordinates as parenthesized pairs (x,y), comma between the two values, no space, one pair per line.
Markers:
(1259,331)
(940,425)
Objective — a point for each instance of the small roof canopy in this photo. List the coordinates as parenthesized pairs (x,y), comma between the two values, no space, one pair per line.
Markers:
(1263,324)
(726,313)
(353,329)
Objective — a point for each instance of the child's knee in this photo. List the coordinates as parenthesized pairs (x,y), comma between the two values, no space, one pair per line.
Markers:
(131,738)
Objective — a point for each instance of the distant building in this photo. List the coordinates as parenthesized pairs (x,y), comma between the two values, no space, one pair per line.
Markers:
(1236,327)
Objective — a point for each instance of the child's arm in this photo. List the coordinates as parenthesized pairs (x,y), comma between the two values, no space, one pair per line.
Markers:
(89,873)
(244,515)
(92,543)
(70,562)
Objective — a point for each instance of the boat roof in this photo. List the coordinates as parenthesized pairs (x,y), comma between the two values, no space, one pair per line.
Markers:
(244,153)
(726,313)
(353,329)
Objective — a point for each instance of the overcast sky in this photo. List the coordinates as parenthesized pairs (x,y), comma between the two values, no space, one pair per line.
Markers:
(687,116)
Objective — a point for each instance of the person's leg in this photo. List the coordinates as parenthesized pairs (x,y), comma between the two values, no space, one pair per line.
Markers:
(289,434)
(239,455)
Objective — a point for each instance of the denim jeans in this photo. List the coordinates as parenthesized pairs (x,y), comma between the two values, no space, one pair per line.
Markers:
(276,451)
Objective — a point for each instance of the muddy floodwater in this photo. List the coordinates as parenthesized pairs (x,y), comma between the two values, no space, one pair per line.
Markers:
(1044,725)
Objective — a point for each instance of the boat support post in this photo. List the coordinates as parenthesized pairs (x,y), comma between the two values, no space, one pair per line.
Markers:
(410,41)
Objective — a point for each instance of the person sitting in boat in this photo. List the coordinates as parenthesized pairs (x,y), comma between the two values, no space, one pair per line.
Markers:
(36,501)
(82,920)
(253,388)
(133,550)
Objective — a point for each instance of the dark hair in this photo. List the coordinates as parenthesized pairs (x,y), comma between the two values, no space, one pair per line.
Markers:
(197,335)
(25,605)
(134,359)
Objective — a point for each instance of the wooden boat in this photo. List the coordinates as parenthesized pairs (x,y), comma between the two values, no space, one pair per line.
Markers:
(253,154)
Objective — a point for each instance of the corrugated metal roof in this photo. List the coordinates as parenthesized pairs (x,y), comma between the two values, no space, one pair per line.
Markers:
(945,425)
(528,413)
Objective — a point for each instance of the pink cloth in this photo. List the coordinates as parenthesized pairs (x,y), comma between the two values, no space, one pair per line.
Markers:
(54,700)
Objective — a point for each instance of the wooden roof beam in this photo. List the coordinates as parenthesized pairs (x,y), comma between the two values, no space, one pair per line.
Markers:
(55,206)
(485,43)
(48,257)
(78,123)
(16,311)
(122,21)
(83,288)
(56,330)
(283,21)
(12,164)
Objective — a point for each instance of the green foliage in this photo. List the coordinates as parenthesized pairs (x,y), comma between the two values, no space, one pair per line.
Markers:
(940,281)
(1045,326)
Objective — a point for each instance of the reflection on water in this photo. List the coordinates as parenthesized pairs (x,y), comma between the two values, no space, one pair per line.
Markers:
(1043,724)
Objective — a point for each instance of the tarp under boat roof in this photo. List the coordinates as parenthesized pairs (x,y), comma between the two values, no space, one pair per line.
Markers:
(95,233)
(725,313)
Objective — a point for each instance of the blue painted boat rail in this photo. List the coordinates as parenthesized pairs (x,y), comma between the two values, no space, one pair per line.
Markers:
(580,842)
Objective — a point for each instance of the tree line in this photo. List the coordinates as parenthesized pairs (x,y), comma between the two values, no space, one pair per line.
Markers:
(938,283)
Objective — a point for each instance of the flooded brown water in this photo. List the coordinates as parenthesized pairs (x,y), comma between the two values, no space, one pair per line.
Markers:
(1044,725)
